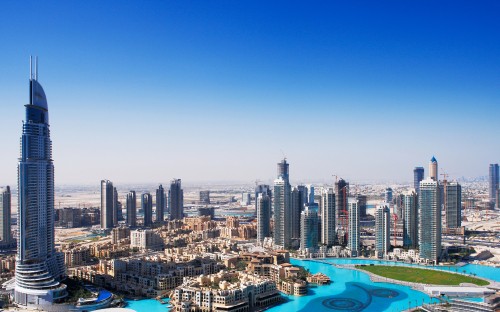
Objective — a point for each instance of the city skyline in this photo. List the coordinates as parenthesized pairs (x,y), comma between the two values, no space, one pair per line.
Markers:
(213,86)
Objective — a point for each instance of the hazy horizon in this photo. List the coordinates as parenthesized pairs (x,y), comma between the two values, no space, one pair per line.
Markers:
(222,91)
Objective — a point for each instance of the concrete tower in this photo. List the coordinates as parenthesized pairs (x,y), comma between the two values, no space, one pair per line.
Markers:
(131,209)
(433,169)
(382,230)
(328,226)
(263,216)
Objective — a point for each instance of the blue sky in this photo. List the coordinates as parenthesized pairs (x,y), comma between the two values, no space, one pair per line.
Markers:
(144,91)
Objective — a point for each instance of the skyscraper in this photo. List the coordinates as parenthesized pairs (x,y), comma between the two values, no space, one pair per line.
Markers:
(282,206)
(410,219)
(328,225)
(176,200)
(493,184)
(309,229)
(161,203)
(418,175)
(341,194)
(433,169)
(131,209)
(205,197)
(353,227)
(362,201)
(429,220)
(116,207)
(263,216)
(108,211)
(5,219)
(296,209)
(388,195)
(39,268)
(453,205)
(262,188)
(382,230)
(147,207)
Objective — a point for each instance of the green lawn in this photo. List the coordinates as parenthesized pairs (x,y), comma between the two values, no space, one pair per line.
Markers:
(423,276)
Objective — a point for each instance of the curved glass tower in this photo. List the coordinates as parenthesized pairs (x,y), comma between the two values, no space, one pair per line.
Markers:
(38,267)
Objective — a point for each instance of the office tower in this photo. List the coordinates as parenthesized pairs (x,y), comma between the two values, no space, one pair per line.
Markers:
(283,170)
(262,188)
(341,194)
(328,225)
(295,211)
(310,196)
(205,197)
(107,204)
(246,199)
(382,230)
(309,228)
(303,193)
(410,219)
(353,227)
(116,207)
(429,220)
(433,169)
(453,205)
(161,203)
(176,200)
(39,268)
(418,175)
(5,219)
(206,211)
(147,207)
(493,184)
(388,195)
(282,206)
(131,209)
(362,200)
(263,216)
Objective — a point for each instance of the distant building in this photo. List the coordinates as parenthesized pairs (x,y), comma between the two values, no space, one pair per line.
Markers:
(452,195)
(433,169)
(410,219)
(382,230)
(262,188)
(117,207)
(107,204)
(70,217)
(418,175)
(246,199)
(429,220)
(206,211)
(388,195)
(493,184)
(131,209)
(282,206)
(263,216)
(310,195)
(147,207)
(353,227)
(341,195)
(5,217)
(161,204)
(295,211)
(328,224)
(205,197)
(362,202)
(143,239)
(309,229)
(176,200)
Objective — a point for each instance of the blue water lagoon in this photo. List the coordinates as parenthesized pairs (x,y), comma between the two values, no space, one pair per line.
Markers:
(350,290)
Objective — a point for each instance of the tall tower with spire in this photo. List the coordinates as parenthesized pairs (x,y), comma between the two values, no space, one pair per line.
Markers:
(39,268)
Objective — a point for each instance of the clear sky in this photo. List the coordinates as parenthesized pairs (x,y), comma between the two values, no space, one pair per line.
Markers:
(144,91)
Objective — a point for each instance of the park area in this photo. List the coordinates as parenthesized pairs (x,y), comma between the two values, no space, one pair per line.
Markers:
(423,276)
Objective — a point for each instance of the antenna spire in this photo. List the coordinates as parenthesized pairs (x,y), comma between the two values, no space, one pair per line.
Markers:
(31,67)
(36,68)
